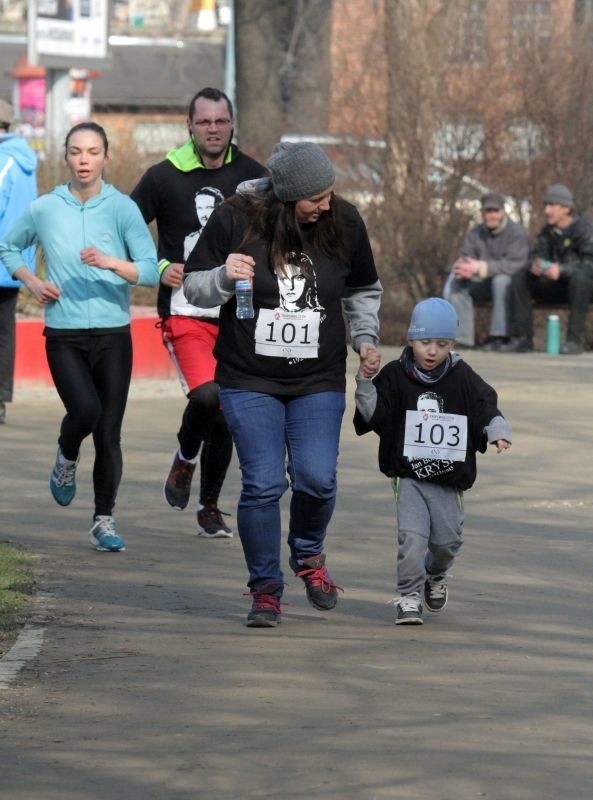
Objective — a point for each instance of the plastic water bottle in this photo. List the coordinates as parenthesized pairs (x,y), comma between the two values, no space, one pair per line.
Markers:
(553,335)
(244,297)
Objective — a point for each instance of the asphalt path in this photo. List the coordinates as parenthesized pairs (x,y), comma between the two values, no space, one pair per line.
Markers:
(148,686)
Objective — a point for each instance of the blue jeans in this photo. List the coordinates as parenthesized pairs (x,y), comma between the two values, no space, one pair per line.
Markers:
(273,434)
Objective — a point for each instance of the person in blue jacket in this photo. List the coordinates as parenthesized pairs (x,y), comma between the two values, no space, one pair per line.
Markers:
(96,245)
(18,187)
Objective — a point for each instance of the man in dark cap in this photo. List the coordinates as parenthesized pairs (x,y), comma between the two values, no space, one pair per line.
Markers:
(561,271)
(491,253)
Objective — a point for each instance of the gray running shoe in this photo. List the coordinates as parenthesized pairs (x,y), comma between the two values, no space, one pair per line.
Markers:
(322,592)
(62,481)
(211,524)
(177,487)
(104,537)
(265,610)
(408,610)
(435,592)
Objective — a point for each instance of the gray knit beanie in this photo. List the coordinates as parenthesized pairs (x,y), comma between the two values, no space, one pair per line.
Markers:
(559,195)
(299,171)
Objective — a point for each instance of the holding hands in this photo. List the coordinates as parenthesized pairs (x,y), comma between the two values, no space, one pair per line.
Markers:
(370,360)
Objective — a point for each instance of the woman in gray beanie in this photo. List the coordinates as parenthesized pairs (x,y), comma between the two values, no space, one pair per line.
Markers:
(282,374)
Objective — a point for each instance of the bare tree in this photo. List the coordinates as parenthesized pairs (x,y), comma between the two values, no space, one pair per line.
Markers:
(415,235)
(555,85)
(282,69)
(497,91)
(504,94)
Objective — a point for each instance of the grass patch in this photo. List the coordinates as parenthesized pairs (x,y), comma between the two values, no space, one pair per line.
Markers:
(16,587)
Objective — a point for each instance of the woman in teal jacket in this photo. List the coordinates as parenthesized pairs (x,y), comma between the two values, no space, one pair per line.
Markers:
(96,245)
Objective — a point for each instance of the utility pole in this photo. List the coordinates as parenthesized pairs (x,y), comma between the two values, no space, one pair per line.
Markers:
(56,117)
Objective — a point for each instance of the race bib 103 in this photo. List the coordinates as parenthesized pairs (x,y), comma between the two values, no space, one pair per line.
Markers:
(435,435)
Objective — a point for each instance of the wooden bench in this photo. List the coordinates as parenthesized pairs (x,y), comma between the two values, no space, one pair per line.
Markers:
(541,312)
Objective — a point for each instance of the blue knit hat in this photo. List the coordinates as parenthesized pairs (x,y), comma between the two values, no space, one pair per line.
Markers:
(434,318)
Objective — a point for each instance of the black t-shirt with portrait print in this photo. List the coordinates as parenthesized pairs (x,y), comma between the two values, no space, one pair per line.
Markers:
(295,344)
(167,194)
(460,392)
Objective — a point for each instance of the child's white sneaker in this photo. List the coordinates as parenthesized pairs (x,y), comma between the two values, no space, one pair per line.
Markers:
(408,610)
(435,592)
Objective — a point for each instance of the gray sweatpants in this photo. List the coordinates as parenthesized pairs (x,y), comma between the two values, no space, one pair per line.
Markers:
(462,293)
(429,530)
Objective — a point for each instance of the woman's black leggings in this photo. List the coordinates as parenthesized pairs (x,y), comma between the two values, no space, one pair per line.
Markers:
(203,430)
(92,374)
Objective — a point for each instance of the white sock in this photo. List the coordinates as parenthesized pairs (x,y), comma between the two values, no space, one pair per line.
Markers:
(189,460)
(65,462)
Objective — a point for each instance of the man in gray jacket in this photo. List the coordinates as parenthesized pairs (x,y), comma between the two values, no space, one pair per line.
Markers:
(491,253)
(560,271)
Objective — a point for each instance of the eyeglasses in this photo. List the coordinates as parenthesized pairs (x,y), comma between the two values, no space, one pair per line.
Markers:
(209,123)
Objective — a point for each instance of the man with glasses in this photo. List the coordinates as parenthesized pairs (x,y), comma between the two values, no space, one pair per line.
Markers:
(491,253)
(167,193)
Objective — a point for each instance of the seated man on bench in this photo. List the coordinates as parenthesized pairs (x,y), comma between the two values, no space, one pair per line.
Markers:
(491,253)
(561,271)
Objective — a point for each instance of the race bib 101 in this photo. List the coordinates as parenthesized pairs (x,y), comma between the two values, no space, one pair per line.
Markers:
(435,435)
(287,334)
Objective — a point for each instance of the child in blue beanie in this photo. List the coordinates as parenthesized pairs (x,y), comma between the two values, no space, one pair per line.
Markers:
(432,413)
